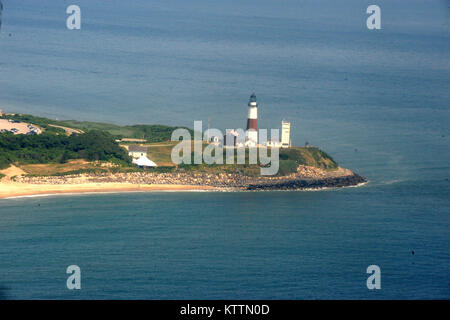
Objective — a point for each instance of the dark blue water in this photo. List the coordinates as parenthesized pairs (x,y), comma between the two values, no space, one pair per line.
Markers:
(377,101)
(277,245)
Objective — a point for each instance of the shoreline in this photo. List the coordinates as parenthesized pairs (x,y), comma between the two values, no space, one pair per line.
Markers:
(14,190)
(11,190)
(16,183)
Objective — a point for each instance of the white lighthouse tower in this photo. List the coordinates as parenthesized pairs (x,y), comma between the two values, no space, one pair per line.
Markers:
(251,136)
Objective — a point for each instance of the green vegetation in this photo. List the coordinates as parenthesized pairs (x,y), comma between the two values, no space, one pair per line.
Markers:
(4,163)
(39,121)
(55,148)
(310,156)
(290,159)
(151,133)
(287,167)
(115,130)
(52,148)
(91,170)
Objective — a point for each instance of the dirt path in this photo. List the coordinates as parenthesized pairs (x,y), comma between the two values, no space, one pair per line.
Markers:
(68,130)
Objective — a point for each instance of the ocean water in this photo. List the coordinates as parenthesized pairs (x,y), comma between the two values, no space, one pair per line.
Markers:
(258,245)
(377,101)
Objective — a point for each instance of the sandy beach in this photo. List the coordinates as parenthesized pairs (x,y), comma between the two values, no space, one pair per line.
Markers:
(13,189)
(16,183)
(10,188)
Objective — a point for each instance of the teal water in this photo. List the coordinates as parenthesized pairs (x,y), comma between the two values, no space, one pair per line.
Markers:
(378,102)
(277,245)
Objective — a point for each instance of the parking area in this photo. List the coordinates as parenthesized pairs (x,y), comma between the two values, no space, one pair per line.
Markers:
(18,127)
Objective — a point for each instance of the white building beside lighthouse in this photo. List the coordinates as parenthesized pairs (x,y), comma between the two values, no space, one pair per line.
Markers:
(285,134)
(251,135)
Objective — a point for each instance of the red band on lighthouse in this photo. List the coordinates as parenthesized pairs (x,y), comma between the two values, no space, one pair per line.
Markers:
(252,124)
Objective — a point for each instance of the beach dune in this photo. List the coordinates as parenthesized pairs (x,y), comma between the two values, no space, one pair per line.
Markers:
(10,188)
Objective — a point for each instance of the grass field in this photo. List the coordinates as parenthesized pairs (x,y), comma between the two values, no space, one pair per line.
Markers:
(115,130)
(159,149)
(152,133)
(290,159)
(160,153)
(58,168)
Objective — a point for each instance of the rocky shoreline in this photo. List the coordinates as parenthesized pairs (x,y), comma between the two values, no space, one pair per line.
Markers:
(337,182)
(305,178)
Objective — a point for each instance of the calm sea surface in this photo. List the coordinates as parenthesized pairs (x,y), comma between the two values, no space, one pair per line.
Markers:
(377,101)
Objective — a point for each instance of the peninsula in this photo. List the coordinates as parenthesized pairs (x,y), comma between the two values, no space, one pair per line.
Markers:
(77,157)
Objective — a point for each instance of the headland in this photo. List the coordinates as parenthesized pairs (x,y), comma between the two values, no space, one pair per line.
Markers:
(83,157)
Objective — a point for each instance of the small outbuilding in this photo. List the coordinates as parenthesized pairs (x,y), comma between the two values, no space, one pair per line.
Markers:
(136,151)
(143,161)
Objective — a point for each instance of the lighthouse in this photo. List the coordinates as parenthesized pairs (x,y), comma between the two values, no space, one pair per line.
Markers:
(251,137)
